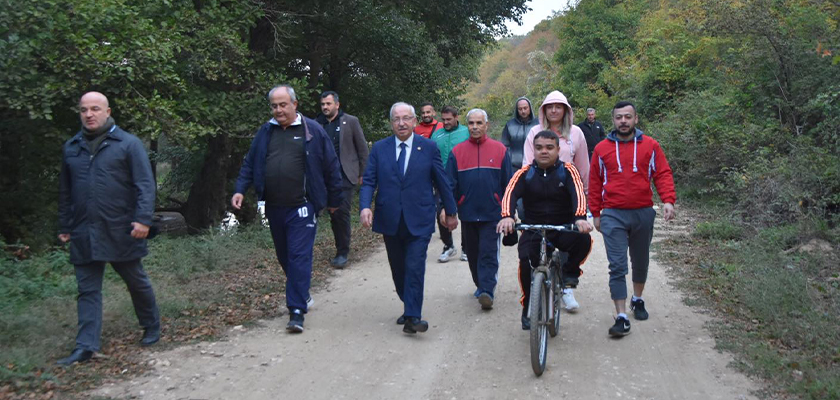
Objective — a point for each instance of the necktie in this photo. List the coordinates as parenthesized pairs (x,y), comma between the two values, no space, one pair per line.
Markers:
(401,160)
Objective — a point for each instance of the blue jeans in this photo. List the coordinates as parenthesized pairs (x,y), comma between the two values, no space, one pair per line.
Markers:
(89,303)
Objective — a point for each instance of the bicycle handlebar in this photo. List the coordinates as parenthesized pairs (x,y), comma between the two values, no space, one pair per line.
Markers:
(566,227)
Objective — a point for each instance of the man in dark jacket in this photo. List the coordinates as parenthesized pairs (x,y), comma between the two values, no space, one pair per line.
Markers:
(350,145)
(479,171)
(516,130)
(106,201)
(552,193)
(293,167)
(593,131)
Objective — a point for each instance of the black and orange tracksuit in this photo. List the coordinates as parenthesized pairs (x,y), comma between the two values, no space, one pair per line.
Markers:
(552,196)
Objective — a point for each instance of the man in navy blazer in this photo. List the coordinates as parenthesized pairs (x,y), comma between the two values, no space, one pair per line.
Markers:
(402,169)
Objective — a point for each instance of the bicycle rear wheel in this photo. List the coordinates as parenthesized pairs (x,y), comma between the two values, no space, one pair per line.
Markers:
(554,297)
(538,307)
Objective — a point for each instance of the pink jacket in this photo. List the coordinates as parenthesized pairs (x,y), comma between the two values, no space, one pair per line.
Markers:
(572,150)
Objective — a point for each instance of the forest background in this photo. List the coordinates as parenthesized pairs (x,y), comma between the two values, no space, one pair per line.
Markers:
(744,97)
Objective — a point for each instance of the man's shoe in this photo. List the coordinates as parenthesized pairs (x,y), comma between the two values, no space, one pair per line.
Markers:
(486,301)
(477,293)
(295,324)
(150,337)
(414,325)
(526,322)
(621,327)
(78,355)
(447,253)
(309,303)
(638,307)
(569,300)
(463,256)
(401,320)
(339,262)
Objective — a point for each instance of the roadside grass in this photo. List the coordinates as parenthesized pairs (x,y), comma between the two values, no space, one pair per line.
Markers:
(204,285)
(778,299)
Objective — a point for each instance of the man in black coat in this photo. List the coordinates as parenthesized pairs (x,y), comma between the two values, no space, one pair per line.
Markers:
(106,202)
(593,131)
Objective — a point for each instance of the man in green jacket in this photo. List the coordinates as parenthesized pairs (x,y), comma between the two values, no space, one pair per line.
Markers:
(447,138)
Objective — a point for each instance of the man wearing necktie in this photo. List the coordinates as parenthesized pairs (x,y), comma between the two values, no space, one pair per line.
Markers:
(402,170)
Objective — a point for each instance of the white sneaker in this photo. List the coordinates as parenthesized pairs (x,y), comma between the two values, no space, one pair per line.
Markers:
(309,303)
(447,253)
(569,300)
(463,256)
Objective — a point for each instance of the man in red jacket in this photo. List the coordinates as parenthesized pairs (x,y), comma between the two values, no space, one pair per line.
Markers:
(428,124)
(621,202)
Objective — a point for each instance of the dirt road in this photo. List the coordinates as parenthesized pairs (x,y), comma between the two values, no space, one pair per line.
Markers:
(353,349)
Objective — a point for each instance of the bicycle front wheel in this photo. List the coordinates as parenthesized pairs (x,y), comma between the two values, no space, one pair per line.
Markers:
(554,298)
(538,307)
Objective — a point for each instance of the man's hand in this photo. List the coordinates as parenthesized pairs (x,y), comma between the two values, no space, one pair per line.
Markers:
(140,231)
(451,222)
(442,217)
(236,200)
(668,211)
(583,226)
(64,237)
(505,226)
(597,222)
(367,217)
(332,209)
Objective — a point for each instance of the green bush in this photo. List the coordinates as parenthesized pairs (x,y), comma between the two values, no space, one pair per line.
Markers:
(719,230)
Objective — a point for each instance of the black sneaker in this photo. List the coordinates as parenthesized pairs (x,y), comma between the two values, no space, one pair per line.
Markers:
(621,327)
(638,307)
(295,324)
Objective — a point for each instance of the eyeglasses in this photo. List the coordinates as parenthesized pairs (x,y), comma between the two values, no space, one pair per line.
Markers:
(403,119)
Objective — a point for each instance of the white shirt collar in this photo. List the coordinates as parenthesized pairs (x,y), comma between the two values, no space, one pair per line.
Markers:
(408,142)
(298,121)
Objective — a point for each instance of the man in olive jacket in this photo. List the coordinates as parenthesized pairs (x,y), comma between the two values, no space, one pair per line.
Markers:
(106,201)
(348,139)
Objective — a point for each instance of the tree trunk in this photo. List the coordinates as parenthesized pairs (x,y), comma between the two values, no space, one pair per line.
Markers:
(205,205)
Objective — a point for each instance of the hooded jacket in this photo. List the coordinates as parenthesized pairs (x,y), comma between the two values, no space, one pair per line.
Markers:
(515,132)
(572,149)
(623,171)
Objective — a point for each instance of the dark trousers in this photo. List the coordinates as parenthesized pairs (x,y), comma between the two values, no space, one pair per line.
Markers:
(482,247)
(293,230)
(577,245)
(89,303)
(623,230)
(340,221)
(445,233)
(407,257)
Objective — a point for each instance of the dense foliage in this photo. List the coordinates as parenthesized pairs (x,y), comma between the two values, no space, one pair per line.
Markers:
(191,77)
(743,95)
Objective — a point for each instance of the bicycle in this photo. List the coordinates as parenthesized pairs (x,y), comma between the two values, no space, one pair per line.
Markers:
(544,303)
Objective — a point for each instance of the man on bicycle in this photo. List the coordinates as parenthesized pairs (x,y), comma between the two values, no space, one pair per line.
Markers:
(552,194)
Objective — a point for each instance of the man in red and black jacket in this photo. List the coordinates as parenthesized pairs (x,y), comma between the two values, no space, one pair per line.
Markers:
(479,170)
(621,202)
(552,193)
(428,124)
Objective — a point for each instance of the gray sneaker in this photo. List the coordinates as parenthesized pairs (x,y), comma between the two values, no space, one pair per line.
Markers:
(463,256)
(448,252)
